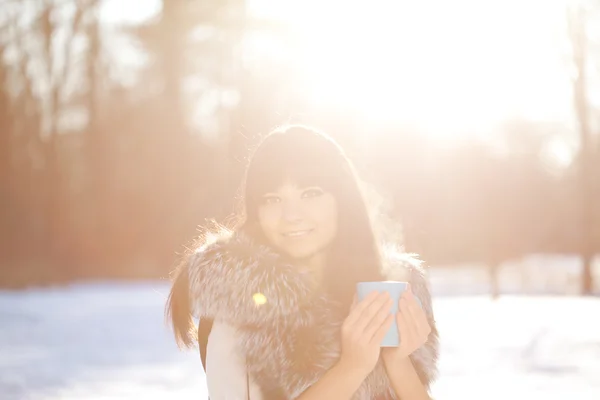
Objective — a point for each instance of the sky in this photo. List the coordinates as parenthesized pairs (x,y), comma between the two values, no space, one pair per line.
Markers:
(468,61)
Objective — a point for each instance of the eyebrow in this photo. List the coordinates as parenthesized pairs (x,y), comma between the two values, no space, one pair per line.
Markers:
(299,187)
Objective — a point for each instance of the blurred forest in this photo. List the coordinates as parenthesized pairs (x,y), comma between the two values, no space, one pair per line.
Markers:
(108,165)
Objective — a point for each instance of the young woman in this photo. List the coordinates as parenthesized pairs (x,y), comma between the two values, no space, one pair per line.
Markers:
(275,295)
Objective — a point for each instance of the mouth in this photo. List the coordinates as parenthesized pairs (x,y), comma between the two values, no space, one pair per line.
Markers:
(297,233)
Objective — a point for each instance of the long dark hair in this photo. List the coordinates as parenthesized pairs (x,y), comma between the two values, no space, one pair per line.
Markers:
(306,157)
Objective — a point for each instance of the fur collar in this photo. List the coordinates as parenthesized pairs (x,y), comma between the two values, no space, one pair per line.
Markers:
(289,334)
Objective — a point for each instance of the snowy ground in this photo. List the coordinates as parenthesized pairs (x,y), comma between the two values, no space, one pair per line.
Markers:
(108,341)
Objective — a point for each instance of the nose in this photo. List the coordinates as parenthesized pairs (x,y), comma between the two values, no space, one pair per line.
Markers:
(292,212)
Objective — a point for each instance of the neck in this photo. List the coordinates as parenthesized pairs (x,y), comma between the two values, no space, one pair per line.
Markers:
(316,264)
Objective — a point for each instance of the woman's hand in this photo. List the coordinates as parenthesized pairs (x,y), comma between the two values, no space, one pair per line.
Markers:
(363,330)
(413,329)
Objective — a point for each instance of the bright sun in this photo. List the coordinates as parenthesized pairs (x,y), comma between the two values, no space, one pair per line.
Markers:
(448,66)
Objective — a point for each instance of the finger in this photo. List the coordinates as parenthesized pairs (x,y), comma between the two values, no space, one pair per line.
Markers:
(418,316)
(378,319)
(412,307)
(422,323)
(354,302)
(410,323)
(424,327)
(369,313)
(356,312)
(413,300)
(383,329)
(424,330)
(403,330)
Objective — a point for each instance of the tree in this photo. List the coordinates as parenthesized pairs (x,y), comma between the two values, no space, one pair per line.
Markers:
(578,34)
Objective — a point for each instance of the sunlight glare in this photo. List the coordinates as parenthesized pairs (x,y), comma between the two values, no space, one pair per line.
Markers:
(448,66)
(259,299)
(119,12)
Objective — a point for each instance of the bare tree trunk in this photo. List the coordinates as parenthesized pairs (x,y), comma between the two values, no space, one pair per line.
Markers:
(6,195)
(96,146)
(494,268)
(56,76)
(52,179)
(577,26)
(230,125)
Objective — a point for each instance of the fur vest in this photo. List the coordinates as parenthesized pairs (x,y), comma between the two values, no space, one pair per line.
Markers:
(289,333)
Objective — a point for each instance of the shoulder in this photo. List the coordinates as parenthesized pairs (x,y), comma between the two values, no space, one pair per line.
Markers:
(232,259)
(226,246)
(234,279)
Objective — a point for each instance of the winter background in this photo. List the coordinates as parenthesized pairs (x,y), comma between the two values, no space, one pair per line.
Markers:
(109,341)
(124,124)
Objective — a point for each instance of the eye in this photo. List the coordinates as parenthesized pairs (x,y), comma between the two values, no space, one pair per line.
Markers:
(312,192)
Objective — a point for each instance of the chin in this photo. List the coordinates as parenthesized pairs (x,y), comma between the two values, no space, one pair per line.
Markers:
(302,253)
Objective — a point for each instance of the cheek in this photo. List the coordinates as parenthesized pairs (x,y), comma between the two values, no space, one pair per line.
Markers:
(333,222)
(268,217)
(328,217)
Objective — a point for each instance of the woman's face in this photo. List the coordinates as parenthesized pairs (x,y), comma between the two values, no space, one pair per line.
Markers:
(300,221)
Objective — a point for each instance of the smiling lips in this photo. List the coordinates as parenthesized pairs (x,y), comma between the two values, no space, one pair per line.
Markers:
(296,234)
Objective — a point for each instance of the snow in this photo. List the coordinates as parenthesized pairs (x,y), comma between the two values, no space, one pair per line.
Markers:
(101,341)
(519,347)
(109,341)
